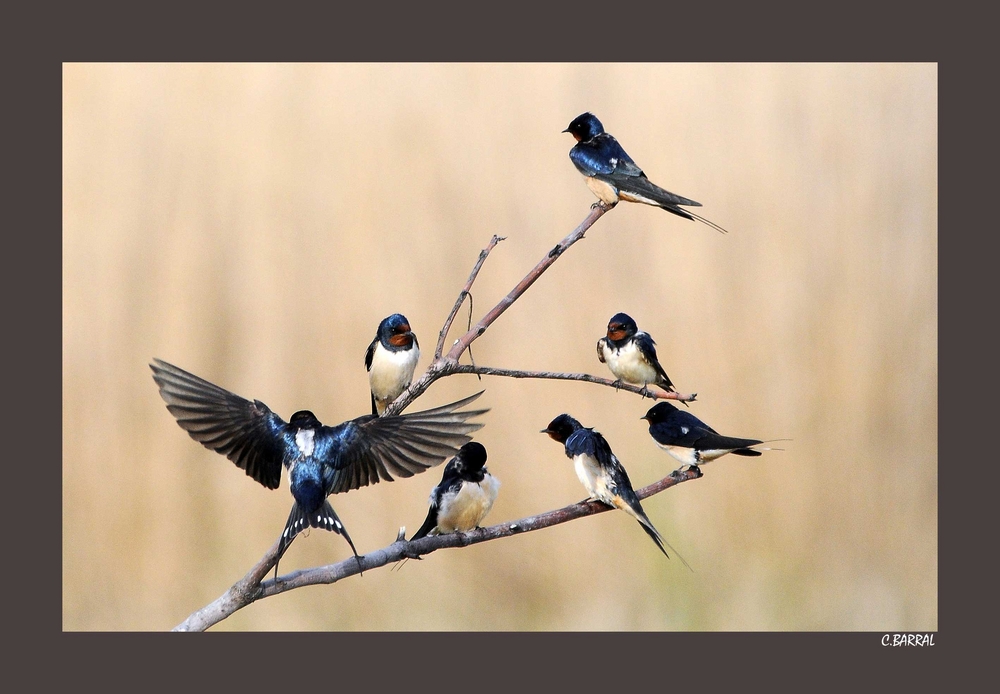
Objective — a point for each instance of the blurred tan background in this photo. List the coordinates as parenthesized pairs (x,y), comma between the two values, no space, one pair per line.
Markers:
(253,223)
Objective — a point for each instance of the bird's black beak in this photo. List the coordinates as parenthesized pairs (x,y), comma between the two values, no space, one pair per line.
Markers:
(566,130)
(646,417)
(544,431)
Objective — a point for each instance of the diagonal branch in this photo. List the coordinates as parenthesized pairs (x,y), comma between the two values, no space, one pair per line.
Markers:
(479,328)
(444,365)
(250,588)
(654,393)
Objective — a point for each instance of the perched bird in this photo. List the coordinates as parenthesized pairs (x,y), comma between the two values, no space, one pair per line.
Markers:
(612,175)
(320,460)
(390,360)
(601,473)
(631,354)
(690,440)
(464,496)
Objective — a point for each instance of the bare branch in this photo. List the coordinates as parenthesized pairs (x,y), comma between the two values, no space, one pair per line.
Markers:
(479,328)
(444,365)
(464,293)
(244,592)
(650,392)
(250,587)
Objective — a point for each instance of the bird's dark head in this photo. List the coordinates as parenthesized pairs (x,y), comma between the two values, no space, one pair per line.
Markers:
(585,127)
(304,419)
(621,326)
(561,428)
(395,331)
(471,457)
(659,412)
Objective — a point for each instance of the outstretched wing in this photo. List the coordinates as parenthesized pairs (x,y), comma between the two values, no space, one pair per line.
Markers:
(377,448)
(247,433)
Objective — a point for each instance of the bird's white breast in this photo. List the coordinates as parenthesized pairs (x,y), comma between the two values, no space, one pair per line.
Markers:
(391,372)
(681,453)
(690,456)
(629,364)
(463,511)
(592,477)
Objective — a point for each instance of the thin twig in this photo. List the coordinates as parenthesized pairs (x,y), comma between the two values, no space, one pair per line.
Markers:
(234,599)
(651,392)
(443,335)
(468,327)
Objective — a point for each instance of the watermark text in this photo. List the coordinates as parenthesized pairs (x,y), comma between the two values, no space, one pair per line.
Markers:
(908,640)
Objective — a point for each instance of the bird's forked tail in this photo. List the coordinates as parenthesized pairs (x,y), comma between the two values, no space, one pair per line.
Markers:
(298,520)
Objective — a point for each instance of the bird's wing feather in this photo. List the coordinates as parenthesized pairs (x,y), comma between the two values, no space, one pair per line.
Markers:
(401,445)
(590,159)
(684,429)
(647,346)
(430,522)
(624,165)
(248,433)
(642,186)
(712,441)
(681,429)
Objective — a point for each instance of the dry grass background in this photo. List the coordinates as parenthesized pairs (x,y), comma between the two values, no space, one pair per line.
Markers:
(253,223)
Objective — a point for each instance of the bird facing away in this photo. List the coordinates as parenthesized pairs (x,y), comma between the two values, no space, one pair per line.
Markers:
(612,175)
(464,496)
(601,473)
(690,440)
(390,360)
(631,354)
(320,460)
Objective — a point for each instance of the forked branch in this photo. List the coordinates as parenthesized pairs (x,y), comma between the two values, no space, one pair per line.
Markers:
(444,365)
(252,587)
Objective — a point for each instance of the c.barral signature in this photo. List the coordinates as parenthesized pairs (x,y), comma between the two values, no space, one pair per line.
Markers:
(908,640)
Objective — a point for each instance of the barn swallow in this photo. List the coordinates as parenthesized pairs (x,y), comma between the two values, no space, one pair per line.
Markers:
(601,472)
(631,355)
(390,360)
(320,460)
(464,496)
(612,175)
(690,440)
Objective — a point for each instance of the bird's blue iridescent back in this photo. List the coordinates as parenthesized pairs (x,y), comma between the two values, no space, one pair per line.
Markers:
(682,429)
(587,441)
(603,155)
